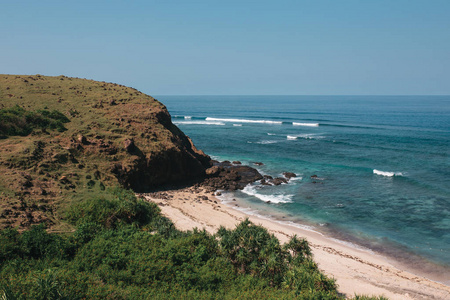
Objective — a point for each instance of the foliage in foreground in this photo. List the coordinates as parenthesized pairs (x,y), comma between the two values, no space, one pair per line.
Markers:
(17,121)
(124,248)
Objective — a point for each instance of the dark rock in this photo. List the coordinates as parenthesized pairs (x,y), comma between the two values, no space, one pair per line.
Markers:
(314,176)
(232,187)
(278,181)
(289,175)
(258,163)
(226,163)
(213,171)
(129,145)
(268,177)
(236,162)
(82,139)
(231,177)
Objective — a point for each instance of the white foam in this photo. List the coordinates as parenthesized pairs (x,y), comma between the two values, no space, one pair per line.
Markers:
(306,136)
(305,124)
(199,123)
(271,133)
(387,174)
(250,190)
(243,121)
(237,124)
(187,117)
(266,142)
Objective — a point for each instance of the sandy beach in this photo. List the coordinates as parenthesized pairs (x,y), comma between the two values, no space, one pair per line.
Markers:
(356,271)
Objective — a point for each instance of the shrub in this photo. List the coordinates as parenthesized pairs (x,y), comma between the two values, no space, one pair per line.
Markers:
(115,207)
(17,121)
(37,243)
(9,244)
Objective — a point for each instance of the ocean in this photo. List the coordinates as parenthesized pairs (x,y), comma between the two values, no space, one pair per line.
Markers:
(372,171)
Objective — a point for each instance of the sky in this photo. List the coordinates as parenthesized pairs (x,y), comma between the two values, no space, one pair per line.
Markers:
(232,47)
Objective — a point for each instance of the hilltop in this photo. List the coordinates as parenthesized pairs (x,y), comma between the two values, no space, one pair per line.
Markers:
(102,134)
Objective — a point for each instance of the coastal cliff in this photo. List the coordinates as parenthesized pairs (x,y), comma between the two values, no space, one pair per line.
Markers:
(111,135)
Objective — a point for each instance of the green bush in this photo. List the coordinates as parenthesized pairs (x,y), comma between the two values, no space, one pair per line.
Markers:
(252,250)
(17,121)
(9,244)
(123,248)
(114,207)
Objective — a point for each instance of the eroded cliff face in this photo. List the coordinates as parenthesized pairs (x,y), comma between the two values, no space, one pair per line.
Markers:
(174,160)
(116,135)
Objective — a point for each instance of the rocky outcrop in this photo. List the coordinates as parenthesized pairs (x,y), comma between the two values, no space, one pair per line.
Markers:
(289,175)
(225,176)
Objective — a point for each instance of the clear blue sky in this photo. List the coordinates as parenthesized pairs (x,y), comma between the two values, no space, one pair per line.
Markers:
(234,47)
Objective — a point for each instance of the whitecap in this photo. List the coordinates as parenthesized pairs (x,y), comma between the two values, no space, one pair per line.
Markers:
(243,121)
(291,137)
(237,124)
(266,142)
(199,123)
(282,198)
(387,174)
(305,124)
(187,117)
(307,136)
(271,133)
(298,178)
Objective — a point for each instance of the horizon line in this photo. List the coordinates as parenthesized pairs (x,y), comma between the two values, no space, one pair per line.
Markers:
(309,95)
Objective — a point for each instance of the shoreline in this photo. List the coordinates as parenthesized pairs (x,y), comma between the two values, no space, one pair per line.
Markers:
(399,258)
(357,271)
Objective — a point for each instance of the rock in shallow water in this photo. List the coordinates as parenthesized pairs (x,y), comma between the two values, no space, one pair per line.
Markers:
(289,175)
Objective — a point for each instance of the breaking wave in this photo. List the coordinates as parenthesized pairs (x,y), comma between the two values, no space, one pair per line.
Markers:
(387,174)
(305,124)
(199,123)
(243,121)
(251,191)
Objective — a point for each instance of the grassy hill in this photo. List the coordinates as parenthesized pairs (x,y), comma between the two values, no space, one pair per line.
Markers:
(63,139)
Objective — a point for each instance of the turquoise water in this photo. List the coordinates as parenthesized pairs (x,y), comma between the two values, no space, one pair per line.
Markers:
(383,163)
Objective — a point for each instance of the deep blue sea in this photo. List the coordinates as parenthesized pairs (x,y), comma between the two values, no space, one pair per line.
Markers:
(382,164)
